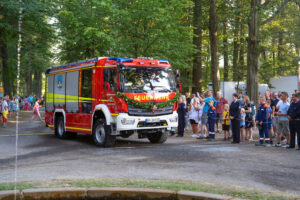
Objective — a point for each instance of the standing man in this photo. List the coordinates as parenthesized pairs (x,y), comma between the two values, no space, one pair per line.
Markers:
(292,120)
(274,102)
(220,108)
(283,123)
(235,116)
(296,117)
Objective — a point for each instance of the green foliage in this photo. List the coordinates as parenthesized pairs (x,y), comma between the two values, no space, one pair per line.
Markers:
(148,106)
(61,31)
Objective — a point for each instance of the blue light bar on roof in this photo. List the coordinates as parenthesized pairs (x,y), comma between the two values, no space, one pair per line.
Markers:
(70,64)
(163,60)
(120,60)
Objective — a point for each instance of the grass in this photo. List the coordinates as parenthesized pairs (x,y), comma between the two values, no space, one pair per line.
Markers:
(239,192)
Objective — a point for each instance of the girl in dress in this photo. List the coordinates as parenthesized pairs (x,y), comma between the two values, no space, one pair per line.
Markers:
(36,111)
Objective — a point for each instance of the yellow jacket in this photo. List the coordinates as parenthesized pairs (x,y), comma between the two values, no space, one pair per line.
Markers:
(226,118)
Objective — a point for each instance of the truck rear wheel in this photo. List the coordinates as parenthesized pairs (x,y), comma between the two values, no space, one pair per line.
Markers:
(158,137)
(101,134)
(60,128)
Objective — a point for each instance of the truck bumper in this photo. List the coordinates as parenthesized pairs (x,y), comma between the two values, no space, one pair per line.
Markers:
(124,122)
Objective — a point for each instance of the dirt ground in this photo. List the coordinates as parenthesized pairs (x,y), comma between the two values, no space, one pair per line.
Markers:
(42,156)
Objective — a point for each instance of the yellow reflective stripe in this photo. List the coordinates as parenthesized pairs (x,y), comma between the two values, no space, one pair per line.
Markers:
(76,128)
(51,125)
(67,97)
(114,114)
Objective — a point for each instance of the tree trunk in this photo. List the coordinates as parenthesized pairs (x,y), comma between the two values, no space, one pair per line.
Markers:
(5,70)
(38,83)
(241,62)
(213,35)
(225,52)
(235,65)
(197,41)
(253,53)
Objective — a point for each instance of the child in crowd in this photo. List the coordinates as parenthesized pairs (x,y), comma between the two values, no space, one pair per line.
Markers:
(211,114)
(5,116)
(269,111)
(242,124)
(226,122)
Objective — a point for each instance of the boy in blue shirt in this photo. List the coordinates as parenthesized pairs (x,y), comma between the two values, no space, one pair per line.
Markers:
(262,122)
(211,114)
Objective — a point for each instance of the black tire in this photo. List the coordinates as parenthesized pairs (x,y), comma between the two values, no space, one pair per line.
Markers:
(101,134)
(158,137)
(60,128)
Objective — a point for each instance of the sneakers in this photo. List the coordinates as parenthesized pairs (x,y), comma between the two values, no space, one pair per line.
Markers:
(195,135)
(285,146)
(277,145)
(283,141)
(259,144)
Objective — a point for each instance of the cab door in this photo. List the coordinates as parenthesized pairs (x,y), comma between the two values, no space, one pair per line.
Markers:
(110,88)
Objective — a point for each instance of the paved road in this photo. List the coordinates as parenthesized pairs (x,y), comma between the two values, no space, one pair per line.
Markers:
(43,157)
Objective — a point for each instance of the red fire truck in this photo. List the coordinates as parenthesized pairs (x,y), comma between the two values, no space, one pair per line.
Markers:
(109,96)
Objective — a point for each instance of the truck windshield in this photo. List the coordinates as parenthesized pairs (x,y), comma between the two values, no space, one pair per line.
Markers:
(147,79)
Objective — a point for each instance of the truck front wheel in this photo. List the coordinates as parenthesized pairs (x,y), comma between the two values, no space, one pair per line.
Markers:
(158,137)
(101,134)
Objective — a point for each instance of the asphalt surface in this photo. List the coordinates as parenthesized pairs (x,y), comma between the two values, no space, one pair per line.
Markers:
(42,157)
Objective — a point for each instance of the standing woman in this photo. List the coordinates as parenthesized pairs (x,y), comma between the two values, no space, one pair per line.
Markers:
(194,116)
(248,119)
(36,110)
(181,117)
(13,106)
(26,103)
(235,116)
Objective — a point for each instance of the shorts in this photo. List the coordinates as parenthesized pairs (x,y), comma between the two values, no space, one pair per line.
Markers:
(269,125)
(193,121)
(242,126)
(219,118)
(275,121)
(4,119)
(225,127)
(204,118)
(283,127)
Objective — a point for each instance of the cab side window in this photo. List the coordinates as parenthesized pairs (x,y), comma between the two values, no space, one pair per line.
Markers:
(86,90)
(110,79)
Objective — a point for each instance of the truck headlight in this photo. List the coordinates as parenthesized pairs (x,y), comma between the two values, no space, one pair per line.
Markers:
(125,121)
(173,119)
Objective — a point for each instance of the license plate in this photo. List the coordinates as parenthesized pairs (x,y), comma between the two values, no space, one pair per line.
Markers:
(151,120)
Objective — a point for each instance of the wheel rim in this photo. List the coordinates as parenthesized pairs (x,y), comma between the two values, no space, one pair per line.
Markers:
(60,128)
(100,134)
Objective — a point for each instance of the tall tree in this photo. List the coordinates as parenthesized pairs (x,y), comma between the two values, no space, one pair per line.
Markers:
(197,41)
(225,51)
(254,43)
(213,35)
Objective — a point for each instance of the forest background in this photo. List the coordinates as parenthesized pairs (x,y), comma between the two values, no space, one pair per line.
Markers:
(207,40)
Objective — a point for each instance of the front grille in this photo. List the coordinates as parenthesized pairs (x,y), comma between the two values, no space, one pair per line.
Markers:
(133,111)
(152,124)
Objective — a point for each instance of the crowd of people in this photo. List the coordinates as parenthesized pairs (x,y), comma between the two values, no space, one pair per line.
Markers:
(10,106)
(277,116)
